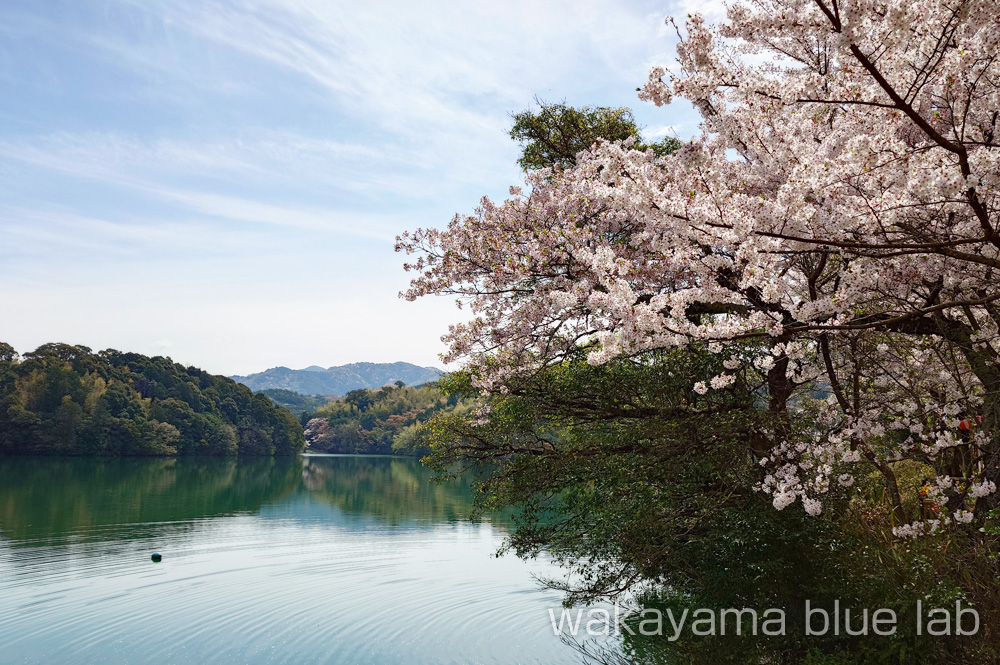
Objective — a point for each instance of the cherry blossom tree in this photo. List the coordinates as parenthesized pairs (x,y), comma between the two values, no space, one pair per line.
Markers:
(840,206)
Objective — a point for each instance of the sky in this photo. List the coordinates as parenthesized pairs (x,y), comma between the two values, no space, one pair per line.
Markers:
(222,181)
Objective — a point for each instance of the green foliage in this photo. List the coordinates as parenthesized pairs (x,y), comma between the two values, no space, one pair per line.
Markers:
(556,133)
(624,453)
(635,483)
(62,399)
(382,421)
(759,558)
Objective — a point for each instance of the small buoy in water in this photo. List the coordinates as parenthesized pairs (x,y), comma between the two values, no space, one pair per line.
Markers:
(156,557)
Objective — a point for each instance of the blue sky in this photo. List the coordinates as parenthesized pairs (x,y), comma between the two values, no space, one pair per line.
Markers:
(222,181)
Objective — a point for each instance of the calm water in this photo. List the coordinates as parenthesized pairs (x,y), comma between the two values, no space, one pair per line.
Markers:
(351,560)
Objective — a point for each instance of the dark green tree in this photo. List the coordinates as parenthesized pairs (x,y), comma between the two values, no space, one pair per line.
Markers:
(63,399)
(556,133)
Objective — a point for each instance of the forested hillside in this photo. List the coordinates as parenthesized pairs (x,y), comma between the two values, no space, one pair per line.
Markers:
(295,402)
(384,421)
(69,400)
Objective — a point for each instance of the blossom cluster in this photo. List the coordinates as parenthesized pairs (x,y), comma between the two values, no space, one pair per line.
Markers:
(842,204)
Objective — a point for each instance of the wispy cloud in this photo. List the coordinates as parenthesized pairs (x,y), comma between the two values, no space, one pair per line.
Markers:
(200,160)
(434,71)
(150,168)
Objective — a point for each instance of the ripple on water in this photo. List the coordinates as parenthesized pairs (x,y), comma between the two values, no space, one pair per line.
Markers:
(296,582)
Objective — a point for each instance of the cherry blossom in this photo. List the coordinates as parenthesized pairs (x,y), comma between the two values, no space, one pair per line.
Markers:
(837,216)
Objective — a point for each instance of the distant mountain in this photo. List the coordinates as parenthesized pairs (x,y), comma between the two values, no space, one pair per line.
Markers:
(340,380)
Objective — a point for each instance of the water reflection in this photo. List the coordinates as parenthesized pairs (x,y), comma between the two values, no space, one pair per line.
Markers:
(310,560)
(46,500)
(392,489)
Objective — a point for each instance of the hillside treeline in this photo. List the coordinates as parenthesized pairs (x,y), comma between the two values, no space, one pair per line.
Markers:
(383,421)
(69,400)
(297,403)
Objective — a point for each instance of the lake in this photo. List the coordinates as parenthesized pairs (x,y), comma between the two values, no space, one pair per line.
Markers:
(318,559)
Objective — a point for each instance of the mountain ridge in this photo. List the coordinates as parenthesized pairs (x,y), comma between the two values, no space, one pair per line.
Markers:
(339,379)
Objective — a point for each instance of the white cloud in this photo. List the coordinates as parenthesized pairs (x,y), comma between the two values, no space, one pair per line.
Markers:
(659,131)
(227,175)
(713,10)
(431,68)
